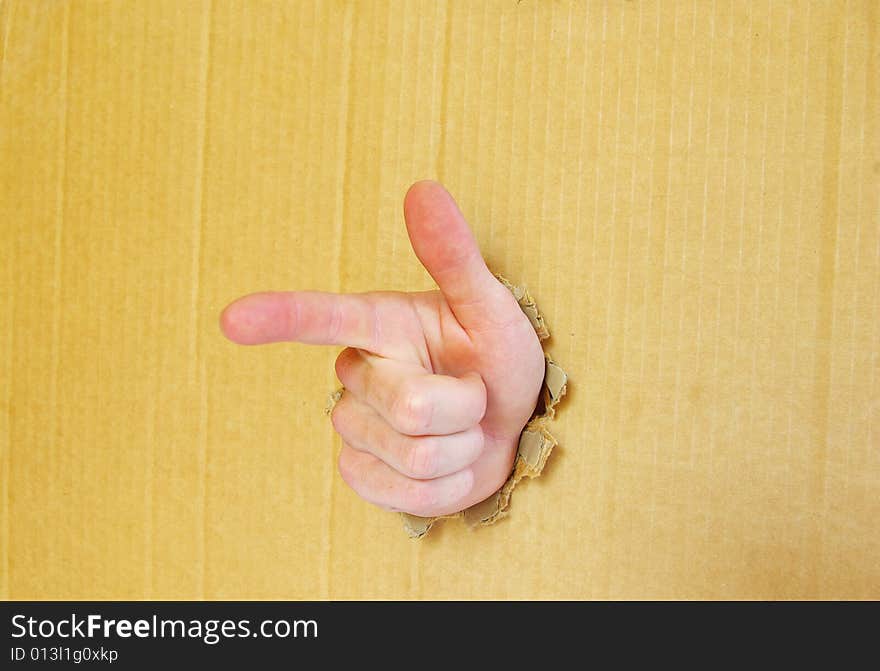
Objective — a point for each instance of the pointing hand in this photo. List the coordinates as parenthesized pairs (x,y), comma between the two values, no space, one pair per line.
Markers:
(438,384)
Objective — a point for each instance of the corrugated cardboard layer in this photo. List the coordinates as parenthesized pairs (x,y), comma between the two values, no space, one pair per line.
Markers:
(689,190)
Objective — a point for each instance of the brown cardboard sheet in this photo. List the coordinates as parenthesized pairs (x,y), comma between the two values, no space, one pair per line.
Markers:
(690,191)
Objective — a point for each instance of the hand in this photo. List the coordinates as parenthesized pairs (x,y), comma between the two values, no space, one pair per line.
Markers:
(438,384)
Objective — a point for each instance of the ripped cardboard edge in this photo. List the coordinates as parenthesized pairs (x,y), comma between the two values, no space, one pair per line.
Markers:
(332,400)
(535,442)
(527,305)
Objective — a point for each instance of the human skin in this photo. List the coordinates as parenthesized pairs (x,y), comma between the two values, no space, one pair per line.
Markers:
(438,384)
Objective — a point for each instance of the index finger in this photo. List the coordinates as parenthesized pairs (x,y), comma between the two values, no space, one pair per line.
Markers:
(311,317)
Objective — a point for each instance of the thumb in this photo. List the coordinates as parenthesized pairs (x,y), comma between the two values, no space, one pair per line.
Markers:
(445,244)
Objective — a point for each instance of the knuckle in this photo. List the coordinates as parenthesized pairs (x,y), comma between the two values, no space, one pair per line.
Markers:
(411,410)
(337,318)
(422,459)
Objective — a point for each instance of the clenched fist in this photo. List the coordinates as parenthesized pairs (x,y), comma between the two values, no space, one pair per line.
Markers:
(438,384)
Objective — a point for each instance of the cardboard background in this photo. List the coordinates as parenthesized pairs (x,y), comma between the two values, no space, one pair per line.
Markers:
(689,190)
